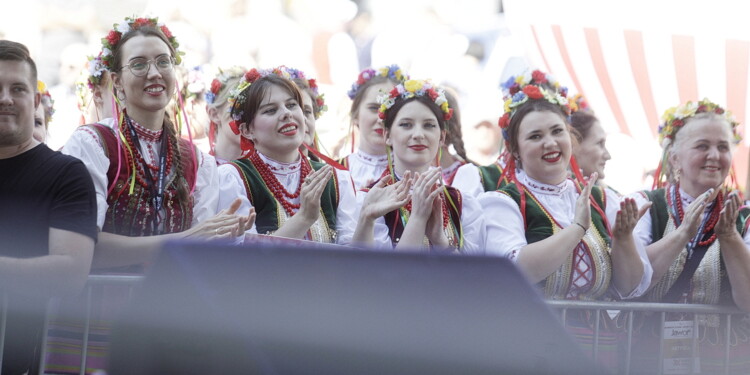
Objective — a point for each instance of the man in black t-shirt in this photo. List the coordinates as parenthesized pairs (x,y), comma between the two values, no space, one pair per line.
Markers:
(47,215)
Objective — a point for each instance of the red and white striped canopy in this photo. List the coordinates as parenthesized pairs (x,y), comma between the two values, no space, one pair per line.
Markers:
(633,60)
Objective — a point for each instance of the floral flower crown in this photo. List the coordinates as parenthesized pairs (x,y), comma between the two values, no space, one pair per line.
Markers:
(47,102)
(318,97)
(392,71)
(411,89)
(237,96)
(220,81)
(96,68)
(675,118)
(579,103)
(114,36)
(522,88)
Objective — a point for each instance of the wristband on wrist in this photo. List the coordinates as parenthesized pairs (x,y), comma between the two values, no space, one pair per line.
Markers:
(582,227)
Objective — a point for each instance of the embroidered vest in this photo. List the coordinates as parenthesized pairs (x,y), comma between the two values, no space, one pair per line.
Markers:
(710,283)
(594,246)
(396,225)
(490,175)
(132,214)
(270,215)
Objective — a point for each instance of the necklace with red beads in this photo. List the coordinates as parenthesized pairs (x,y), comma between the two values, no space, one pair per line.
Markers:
(674,202)
(275,187)
(154,185)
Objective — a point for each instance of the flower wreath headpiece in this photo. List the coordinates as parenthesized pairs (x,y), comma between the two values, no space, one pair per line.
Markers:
(393,72)
(318,97)
(521,88)
(220,81)
(114,36)
(96,68)
(676,117)
(411,89)
(47,102)
(578,103)
(238,96)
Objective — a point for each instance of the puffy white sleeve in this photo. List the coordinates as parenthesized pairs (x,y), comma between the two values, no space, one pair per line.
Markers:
(347,211)
(473,225)
(468,180)
(206,188)
(382,241)
(85,145)
(505,235)
(642,238)
(231,187)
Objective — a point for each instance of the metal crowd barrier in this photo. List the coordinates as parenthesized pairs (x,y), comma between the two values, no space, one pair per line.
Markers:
(563,306)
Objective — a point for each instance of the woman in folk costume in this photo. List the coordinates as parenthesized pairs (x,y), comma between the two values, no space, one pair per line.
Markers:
(561,233)
(293,196)
(370,159)
(432,216)
(313,105)
(475,180)
(224,144)
(151,186)
(695,234)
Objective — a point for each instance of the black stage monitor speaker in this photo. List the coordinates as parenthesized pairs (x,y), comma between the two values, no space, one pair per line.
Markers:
(290,309)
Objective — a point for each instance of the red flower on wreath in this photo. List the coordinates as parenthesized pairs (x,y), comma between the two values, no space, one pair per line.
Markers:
(166,32)
(139,22)
(504,121)
(113,37)
(215,86)
(313,85)
(701,108)
(719,110)
(539,77)
(394,93)
(514,89)
(677,123)
(319,101)
(448,115)
(433,94)
(252,75)
(532,92)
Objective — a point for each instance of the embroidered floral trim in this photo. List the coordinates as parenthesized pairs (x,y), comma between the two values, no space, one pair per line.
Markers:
(278,167)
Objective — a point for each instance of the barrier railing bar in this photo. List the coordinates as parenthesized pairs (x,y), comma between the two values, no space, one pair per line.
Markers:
(645,306)
(726,344)
(3,321)
(630,342)
(43,359)
(86,329)
(661,343)
(694,350)
(596,334)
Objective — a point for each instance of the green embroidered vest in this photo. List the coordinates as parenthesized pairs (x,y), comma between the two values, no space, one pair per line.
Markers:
(539,225)
(270,215)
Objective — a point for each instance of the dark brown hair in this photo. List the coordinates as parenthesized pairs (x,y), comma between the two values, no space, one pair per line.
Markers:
(453,134)
(14,51)
(302,85)
(354,111)
(144,31)
(582,123)
(253,95)
(533,105)
(390,115)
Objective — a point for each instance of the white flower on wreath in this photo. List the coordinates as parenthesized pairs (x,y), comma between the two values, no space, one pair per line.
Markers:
(687,110)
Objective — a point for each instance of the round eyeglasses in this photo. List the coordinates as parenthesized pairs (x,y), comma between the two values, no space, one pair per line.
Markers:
(139,66)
